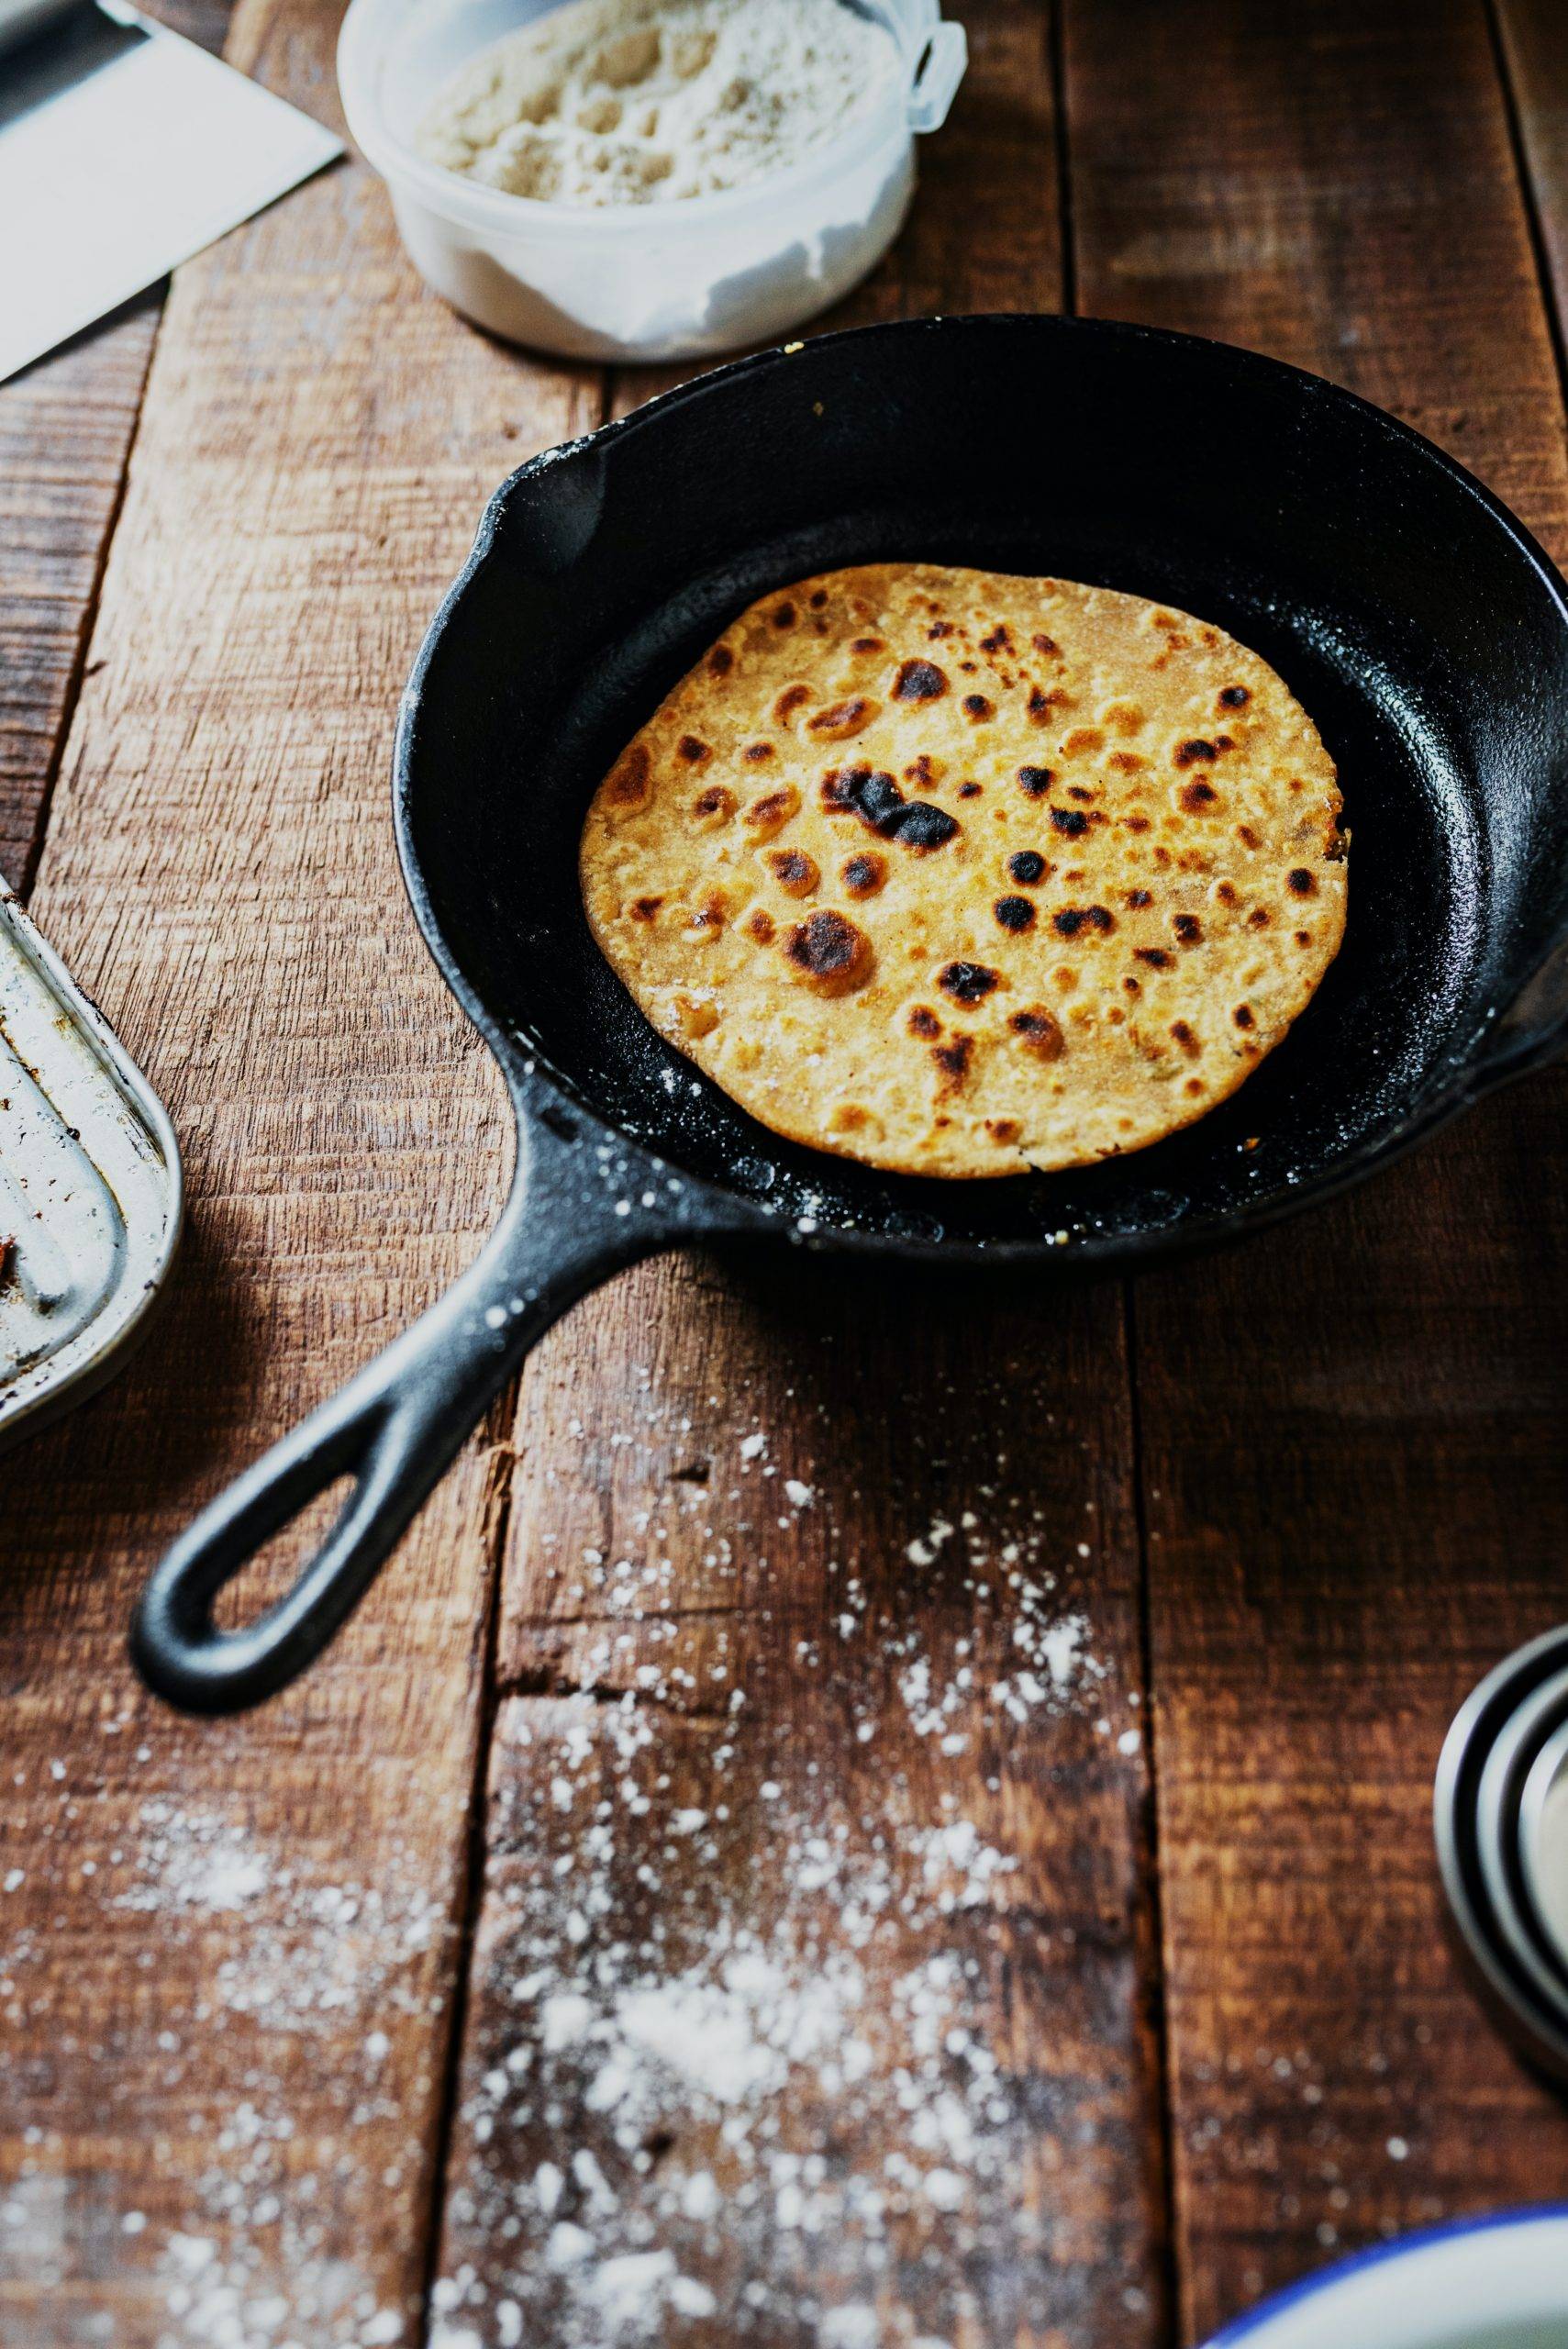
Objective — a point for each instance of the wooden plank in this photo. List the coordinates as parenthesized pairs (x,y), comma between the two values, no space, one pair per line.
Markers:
(1354,1433)
(810,1994)
(227,1950)
(1535,60)
(66,427)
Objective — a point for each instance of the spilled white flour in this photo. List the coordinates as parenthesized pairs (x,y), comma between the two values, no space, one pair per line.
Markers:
(734,2054)
(237,1966)
(774,2032)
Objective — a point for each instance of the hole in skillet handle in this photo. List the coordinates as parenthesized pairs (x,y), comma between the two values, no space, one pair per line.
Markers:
(269,1571)
(178,1647)
(393,1430)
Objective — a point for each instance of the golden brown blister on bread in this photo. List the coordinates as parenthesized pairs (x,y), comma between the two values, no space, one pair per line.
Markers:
(961,874)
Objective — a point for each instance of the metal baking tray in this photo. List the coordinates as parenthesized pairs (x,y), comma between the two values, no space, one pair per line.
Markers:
(91,1192)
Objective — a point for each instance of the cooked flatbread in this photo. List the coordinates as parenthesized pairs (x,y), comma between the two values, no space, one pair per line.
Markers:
(962,874)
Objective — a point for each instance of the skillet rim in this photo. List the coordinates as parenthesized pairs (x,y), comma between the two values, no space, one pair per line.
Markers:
(539,1095)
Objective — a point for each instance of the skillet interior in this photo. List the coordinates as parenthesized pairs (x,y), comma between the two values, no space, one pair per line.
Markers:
(1415,622)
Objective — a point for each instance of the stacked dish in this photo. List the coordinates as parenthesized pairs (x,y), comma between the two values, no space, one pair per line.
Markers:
(1501,1815)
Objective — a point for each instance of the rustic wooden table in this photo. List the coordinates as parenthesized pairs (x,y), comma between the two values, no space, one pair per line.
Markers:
(855,1819)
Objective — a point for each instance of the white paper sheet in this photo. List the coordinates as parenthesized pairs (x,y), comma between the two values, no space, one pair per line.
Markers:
(109,181)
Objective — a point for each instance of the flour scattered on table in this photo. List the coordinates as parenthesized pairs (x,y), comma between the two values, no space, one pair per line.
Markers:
(690,2059)
(735,2049)
(244,1963)
(771,2010)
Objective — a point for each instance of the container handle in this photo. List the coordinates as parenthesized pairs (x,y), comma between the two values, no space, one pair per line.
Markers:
(938,69)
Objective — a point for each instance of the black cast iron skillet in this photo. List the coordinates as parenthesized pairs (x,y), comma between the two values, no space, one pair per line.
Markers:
(1416,619)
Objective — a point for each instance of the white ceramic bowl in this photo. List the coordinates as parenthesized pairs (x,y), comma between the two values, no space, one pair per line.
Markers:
(645,282)
(1497,2283)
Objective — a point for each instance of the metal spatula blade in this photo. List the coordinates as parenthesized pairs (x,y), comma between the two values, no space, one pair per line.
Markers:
(124,150)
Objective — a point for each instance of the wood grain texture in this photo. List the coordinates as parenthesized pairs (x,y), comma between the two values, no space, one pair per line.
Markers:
(1533,42)
(810,2001)
(227,1951)
(66,427)
(1354,1431)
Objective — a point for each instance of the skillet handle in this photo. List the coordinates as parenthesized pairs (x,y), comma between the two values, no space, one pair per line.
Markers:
(394,1429)
(1534,1029)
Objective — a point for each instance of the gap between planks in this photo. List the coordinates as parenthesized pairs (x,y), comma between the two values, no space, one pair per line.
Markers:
(1527,49)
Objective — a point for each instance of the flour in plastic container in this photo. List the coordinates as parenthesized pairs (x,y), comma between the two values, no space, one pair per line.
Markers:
(647,102)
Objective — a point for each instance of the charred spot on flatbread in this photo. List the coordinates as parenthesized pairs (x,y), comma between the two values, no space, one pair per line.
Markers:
(863,874)
(716,804)
(630,782)
(919,680)
(772,812)
(967,982)
(871,793)
(1038,1030)
(952,1063)
(842,718)
(829,952)
(796,872)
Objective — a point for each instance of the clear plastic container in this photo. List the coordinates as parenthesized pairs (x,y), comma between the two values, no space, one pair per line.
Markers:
(682,279)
